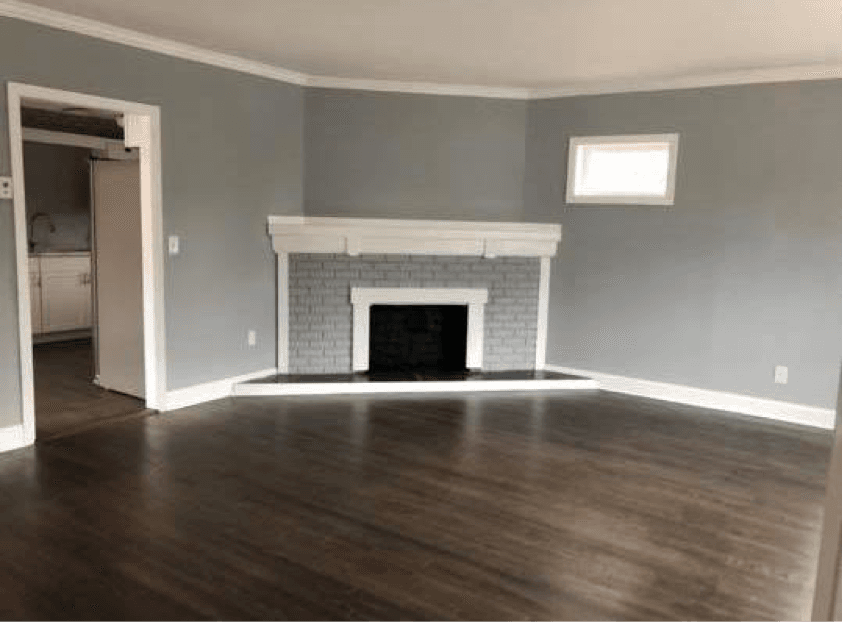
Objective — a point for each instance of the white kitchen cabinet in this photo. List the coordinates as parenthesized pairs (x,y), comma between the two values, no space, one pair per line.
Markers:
(35,294)
(65,293)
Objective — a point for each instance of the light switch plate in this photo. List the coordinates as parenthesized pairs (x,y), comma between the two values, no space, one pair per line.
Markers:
(6,188)
(173,244)
(252,338)
(781,374)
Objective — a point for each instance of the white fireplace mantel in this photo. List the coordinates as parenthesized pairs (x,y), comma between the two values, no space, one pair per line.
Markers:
(355,236)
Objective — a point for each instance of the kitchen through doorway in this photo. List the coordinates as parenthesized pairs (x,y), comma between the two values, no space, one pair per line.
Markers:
(71,310)
(84,253)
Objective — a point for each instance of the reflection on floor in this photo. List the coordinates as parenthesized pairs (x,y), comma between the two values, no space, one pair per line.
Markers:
(66,400)
(558,505)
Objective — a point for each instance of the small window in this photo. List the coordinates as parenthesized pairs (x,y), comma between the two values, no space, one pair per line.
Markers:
(622,169)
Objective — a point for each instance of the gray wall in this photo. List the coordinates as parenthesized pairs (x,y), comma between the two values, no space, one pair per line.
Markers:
(58,183)
(413,156)
(232,154)
(741,274)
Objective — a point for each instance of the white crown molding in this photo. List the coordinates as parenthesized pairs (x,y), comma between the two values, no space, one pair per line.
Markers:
(420,88)
(132,38)
(160,45)
(705,398)
(793,73)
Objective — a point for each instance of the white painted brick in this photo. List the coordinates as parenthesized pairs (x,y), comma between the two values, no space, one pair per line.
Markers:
(320,309)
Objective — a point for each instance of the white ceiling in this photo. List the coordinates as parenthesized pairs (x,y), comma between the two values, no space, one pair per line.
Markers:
(529,44)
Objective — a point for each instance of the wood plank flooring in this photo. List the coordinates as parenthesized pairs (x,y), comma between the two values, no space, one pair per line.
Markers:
(494,506)
(66,400)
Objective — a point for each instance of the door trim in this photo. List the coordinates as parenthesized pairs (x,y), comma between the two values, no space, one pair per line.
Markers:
(143,131)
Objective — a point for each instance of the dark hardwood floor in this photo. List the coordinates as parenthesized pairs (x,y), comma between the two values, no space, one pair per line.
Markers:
(66,400)
(516,506)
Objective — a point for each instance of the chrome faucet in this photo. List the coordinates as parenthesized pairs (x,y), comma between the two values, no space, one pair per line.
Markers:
(32,219)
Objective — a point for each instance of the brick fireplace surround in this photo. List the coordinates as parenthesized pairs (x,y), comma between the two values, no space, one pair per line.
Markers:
(321,312)
(330,270)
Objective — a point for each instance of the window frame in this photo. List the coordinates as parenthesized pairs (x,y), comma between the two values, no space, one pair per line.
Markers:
(672,139)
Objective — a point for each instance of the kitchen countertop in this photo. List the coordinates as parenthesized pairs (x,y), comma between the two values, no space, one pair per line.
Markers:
(59,253)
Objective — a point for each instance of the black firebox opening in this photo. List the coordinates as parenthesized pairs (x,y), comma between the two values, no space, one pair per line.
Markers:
(417,338)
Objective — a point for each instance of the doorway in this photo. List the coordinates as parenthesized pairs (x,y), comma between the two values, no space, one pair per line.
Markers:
(83,224)
(118,342)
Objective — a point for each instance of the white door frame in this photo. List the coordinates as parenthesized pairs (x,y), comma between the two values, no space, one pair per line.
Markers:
(827,600)
(143,130)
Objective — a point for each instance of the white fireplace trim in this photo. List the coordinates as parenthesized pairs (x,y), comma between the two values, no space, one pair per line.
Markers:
(362,298)
(544,307)
(282,359)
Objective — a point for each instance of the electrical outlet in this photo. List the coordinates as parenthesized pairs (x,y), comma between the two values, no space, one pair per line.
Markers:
(781,374)
(5,187)
(252,338)
(173,244)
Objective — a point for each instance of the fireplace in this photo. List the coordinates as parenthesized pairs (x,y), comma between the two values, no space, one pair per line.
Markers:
(407,324)
(333,271)
(417,339)
(360,295)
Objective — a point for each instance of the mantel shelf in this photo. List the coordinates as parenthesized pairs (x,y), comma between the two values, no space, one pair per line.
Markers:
(355,236)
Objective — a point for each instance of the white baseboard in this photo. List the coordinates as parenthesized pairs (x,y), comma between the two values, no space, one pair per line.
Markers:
(207,391)
(13,437)
(433,386)
(705,398)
